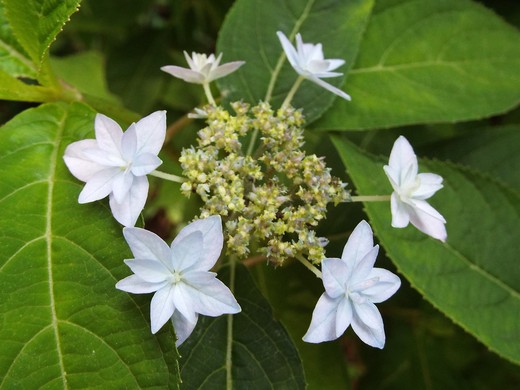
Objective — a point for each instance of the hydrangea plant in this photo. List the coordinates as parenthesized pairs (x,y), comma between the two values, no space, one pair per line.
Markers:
(268,220)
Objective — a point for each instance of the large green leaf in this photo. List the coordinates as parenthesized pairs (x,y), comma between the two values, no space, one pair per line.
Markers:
(430,61)
(249,350)
(14,89)
(474,278)
(36,23)
(13,59)
(493,150)
(63,323)
(249,34)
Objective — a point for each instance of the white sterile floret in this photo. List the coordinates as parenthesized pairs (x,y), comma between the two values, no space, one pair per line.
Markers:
(307,60)
(203,69)
(408,202)
(179,275)
(116,163)
(352,287)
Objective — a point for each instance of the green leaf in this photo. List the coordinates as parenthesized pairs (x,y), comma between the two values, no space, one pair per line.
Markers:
(13,59)
(249,350)
(430,61)
(249,34)
(36,23)
(474,278)
(14,89)
(493,150)
(64,325)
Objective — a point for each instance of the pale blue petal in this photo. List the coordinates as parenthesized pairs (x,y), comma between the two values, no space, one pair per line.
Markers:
(161,307)
(121,185)
(401,156)
(364,266)
(430,183)
(187,251)
(334,277)
(135,285)
(108,134)
(388,283)
(358,245)
(129,143)
(152,271)
(367,323)
(400,212)
(99,185)
(127,211)
(330,87)
(151,132)
(323,323)
(145,163)
(185,74)
(183,327)
(146,245)
(80,165)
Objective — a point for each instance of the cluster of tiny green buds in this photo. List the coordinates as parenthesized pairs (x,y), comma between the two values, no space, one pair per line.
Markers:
(273,199)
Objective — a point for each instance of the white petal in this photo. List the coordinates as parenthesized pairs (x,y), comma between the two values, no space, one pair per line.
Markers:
(102,157)
(213,239)
(121,185)
(135,285)
(183,301)
(358,245)
(145,163)
(289,50)
(430,184)
(401,155)
(368,325)
(99,185)
(323,323)
(225,69)
(151,271)
(428,220)
(209,296)
(183,327)
(127,212)
(330,88)
(387,285)
(82,167)
(187,251)
(400,212)
(129,143)
(393,177)
(108,133)
(364,266)
(344,314)
(335,63)
(151,132)
(185,74)
(334,277)
(161,307)
(146,245)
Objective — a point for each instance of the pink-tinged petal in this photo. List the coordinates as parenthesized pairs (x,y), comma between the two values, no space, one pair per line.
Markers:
(323,323)
(127,211)
(334,277)
(187,75)
(81,166)
(364,266)
(121,185)
(358,245)
(135,285)
(430,183)
(183,327)
(401,155)
(187,251)
(108,133)
(400,212)
(209,296)
(330,88)
(146,245)
(225,69)
(388,283)
(151,271)
(428,220)
(145,163)
(129,143)
(344,314)
(151,132)
(161,307)
(99,185)
(290,51)
(213,240)
(367,323)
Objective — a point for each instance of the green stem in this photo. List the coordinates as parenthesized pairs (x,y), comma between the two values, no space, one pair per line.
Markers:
(168,176)
(293,90)
(370,198)
(254,136)
(209,95)
(229,341)
(311,267)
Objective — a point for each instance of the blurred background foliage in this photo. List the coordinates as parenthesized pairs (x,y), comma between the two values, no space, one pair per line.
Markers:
(126,42)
